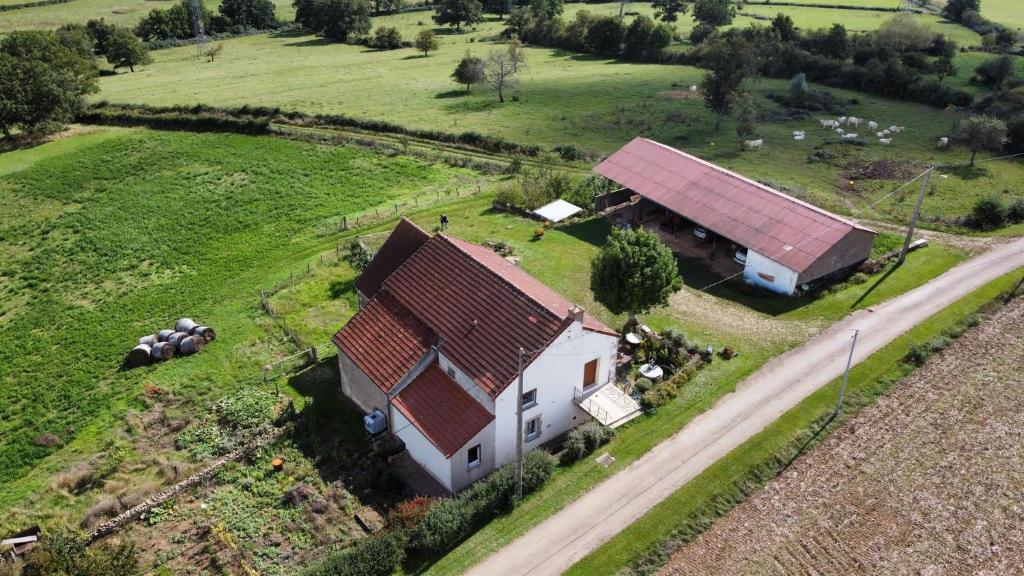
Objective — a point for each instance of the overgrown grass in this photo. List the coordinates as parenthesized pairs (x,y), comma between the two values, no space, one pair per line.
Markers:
(114,236)
(692,508)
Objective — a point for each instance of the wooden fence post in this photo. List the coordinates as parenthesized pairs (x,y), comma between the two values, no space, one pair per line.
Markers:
(312,354)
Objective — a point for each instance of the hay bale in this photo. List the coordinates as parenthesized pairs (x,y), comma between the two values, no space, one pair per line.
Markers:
(140,355)
(163,335)
(176,339)
(149,340)
(185,325)
(205,332)
(192,344)
(162,351)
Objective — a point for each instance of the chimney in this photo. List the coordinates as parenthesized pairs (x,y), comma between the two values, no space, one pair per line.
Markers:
(576,313)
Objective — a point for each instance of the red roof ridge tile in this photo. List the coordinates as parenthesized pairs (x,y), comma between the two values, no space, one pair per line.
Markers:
(769,189)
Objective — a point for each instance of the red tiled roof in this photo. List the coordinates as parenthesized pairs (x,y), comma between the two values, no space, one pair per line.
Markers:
(405,239)
(780,227)
(446,414)
(385,340)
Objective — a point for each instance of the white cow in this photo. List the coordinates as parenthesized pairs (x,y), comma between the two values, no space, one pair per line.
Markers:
(880,134)
(693,88)
(886,132)
(885,141)
(840,131)
(799,133)
(854,122)
(842,119)
(942,142)
(798,137)
(872,125)
(850,136)
(753,144)
(829,124)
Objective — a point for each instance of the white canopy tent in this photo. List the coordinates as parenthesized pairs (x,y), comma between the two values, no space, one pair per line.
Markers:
(557,211)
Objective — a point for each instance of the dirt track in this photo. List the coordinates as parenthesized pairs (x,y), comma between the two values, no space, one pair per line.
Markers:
(928,481)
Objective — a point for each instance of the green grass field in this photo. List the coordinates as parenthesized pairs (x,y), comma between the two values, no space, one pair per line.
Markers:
(1006,12)
(108,236)
(121,12)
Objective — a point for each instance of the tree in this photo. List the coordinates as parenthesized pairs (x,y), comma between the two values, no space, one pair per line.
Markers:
(342,19)
(499,73)
(458,12)
(980,133)
(729,62)
(955,9)
(426,42)
(100,32)
(996,71)
(988,213)
(943,66)
(669,10)
(638,34)
(470,71)
(387,6)
(516,54)
(784,27)
(175,22)
(387,38)
(255,14)
(546,9)
(714,13)
(43,77)
(497,7)
(605,35)
(124,49)
(634,272)
(746,116)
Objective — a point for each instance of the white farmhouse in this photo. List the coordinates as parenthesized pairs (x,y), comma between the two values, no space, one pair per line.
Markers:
(436,346)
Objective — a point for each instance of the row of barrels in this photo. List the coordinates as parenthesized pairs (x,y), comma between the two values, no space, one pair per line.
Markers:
(187,337)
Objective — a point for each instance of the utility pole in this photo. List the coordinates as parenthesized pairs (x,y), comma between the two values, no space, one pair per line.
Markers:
(519,430)
(846,375)
(917,212)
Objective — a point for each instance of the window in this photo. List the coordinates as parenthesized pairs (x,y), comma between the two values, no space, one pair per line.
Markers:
(590,372)
(451,372)
(530,399)
(473,456)
(532,430)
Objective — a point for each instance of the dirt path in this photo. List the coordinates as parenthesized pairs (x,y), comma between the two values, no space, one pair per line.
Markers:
(927,481)
(779,385)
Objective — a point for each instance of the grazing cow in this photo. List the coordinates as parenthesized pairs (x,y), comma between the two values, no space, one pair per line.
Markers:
(942,142)
(799,133)
(886,132)
(880,134)
(885,141)
(829,124)
(872,125)
(798,137)
(854,122)
(693,88)
(842,119)
(753,144)
(850,136)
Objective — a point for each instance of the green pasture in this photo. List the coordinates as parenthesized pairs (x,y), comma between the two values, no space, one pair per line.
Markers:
(1006,12)
(112,235)
(121,12)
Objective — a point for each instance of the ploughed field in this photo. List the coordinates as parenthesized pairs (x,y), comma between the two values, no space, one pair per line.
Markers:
(109,235)
(927,481)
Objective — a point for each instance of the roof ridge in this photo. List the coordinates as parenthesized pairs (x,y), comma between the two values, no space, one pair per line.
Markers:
(455,243)
(764,187)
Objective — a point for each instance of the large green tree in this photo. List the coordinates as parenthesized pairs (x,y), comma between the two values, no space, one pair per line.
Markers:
(955,9)
(605,35)
(729,62)
(455,13)
(175,22)
(43,76)
(343,19)
(980,133)
(634,272)
(715,13)
(256,14)
(470,71)
(669,10)
(125,50)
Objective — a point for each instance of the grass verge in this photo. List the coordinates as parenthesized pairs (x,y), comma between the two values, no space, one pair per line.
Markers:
(646,545)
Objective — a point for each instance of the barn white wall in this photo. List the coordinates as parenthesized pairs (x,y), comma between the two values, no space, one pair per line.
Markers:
(556,374)
(423,450)
(784,279)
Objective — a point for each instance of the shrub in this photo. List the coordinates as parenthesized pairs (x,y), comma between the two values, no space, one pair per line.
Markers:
(1015,213)
(858,279)
(386,38)
(409,513)
(586,438)
(359,255)
(988,214)
(372,556)
(568,152)
(642,385)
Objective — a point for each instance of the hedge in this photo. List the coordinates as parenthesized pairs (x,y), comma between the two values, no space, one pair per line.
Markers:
(6,7)
(166,119)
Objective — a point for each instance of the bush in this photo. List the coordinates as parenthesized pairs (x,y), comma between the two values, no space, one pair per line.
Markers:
(1015,213)
(408,514)
(371,556)
(642,385)
(586,438)
(988,214)
(386,38)
(359,255)
(568,152)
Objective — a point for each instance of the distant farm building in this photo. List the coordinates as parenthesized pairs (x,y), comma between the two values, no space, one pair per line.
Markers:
(776,241)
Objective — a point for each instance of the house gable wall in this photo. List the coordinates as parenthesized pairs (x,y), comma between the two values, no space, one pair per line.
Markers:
(357,386)
(853,249)
(556,375)
(423,450)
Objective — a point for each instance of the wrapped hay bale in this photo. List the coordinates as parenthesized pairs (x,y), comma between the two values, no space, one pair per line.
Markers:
(162,351)
(149,340)
(140,355)
(185,325)
(205,332)
(176,339)
(191,344)
(163,335)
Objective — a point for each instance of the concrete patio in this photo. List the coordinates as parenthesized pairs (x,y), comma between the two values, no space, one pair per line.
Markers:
(609,405)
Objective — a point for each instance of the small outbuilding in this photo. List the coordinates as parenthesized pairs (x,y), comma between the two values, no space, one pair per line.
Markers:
(786,243)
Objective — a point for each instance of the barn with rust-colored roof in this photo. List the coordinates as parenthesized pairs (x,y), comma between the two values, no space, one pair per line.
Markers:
(783,242)
(436,348)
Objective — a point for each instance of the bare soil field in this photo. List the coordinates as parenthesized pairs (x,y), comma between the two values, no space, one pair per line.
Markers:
(928,481)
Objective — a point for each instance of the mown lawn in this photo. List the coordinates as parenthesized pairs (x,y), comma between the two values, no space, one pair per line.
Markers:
(868,380)
(120,12)
(1006,12)
(112,235)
